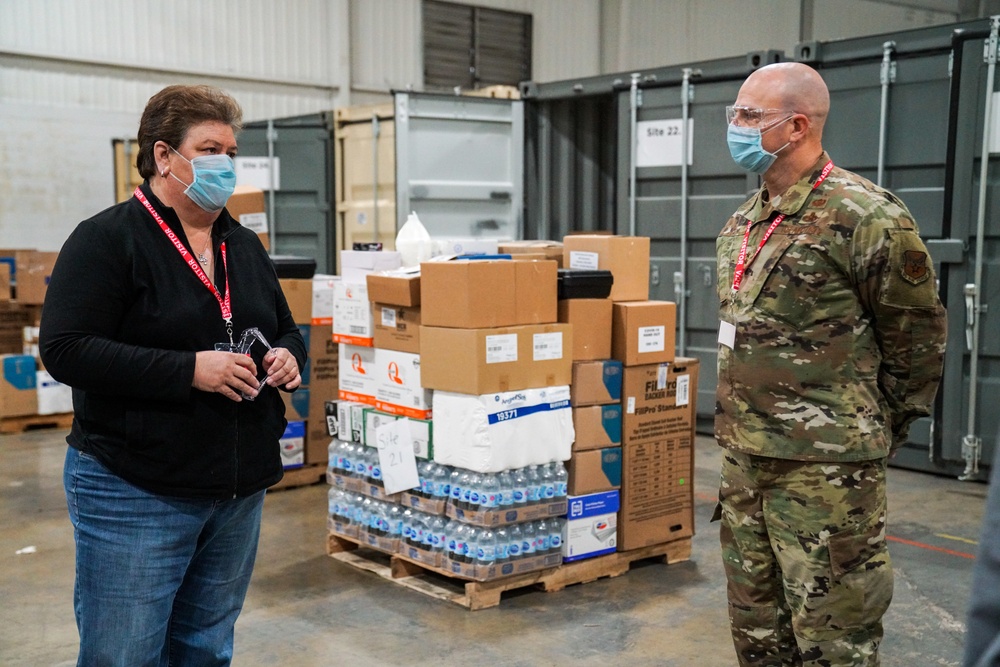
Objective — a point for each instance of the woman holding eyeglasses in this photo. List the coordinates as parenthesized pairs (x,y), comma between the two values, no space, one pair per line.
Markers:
(175,429)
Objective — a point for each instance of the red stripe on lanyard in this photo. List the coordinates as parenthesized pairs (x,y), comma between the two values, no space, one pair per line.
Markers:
(224,303)
(742,263)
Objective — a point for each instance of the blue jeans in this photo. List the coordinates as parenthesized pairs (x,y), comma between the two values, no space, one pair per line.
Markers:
(159,580)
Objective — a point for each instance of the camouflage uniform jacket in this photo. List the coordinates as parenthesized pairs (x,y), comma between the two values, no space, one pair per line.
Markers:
(840,333)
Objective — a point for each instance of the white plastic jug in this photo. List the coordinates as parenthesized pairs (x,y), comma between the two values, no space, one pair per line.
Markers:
(413,242)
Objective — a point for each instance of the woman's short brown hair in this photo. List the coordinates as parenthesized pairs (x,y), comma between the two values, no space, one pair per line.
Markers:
(170,113)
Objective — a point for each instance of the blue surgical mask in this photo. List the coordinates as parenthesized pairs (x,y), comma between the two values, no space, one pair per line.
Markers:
(746,149)
(214,180)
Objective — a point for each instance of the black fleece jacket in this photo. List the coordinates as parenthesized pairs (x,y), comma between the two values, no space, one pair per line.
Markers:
(123,318)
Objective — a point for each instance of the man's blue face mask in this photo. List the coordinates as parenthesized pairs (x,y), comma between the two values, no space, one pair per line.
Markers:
(746,149)
(214,180)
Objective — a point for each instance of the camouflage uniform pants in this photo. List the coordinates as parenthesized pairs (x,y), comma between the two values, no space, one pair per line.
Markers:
(808,570)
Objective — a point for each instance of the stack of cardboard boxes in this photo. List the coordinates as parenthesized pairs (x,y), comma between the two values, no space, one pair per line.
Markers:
(26,388)
(519,383)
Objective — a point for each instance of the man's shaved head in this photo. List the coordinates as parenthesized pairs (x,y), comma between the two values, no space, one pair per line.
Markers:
(789,86)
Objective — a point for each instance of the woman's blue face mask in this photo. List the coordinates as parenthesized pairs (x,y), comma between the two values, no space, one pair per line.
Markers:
(746,149)
(214,180)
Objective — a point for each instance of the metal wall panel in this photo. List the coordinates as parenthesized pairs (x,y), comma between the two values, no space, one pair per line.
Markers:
(288,43)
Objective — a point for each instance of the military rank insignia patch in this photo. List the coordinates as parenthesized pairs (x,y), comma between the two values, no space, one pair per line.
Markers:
(915,270)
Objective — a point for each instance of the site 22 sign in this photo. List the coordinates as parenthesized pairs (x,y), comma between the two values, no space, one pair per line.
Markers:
(658,143)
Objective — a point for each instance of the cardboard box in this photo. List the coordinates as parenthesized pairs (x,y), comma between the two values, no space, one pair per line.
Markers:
(357,374)
(396,289)
(537,249)
(246,206)
(14,317)
(352,314)
(597,426)
(324,378)
(591,527)
(322,296)
(486,361)
(299,295)
(34,270)
(658,400)
(18,385)
(486,294)
(355,265)
(296,404)
(5,285)
(292,443)
(54,398)
(627,257)
(643,332)
(657,497)
(399,390)
(397,327)
(591,320)
(596,382)
(595,470)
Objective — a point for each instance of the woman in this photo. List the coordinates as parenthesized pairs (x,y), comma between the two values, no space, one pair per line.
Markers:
(174,437)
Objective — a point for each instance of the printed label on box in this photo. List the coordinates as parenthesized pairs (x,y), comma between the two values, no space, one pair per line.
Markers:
(547,346)
(255,222)
(583,260)
(652,339)
(501,348)
(683,389)
(389,317)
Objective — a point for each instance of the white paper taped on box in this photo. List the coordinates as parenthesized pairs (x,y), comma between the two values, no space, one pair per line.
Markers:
(494,432)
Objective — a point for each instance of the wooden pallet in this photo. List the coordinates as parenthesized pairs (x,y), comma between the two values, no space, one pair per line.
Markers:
(10,425)
(474,595)
(312,473)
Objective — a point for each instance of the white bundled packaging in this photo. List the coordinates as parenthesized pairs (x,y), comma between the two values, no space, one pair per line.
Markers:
(494,432)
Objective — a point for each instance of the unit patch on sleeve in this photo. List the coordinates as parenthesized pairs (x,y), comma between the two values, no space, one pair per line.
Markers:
(914,268)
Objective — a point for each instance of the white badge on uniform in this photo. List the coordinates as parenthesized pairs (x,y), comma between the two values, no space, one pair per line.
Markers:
(727,334)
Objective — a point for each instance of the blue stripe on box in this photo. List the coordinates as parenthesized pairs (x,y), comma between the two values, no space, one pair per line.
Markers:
(514,413)
(613,379)
(19,371)
(611,420)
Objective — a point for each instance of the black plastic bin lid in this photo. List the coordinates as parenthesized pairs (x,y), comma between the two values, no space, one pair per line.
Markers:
(584,283)
(292,266)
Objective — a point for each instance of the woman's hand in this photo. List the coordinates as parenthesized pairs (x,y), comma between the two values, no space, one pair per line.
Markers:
(282,369)
(226,373)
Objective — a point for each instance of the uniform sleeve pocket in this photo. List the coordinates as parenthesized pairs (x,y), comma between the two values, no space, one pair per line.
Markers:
(855,546)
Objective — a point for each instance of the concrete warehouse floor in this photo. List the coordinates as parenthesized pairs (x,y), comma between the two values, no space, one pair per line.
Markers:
(305,608)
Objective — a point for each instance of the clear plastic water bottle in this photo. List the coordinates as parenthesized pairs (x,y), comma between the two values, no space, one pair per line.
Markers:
(347,452)
(488,496)
(557,526)
(562,480)
(408,526)
(506,496)
(334,499)
(529,542)
(395,519)
(543,537)
(470,491)
(438,527)
(455,489)
(534,485)
(455,533)
(516,542)
(425,471)
(502,545)
(360,462)
(440,488)
(548,492)
(520,487)
(471,544)
(375,467)
(486,546)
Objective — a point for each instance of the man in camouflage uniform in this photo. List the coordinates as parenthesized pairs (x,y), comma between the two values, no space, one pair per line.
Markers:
(830,344)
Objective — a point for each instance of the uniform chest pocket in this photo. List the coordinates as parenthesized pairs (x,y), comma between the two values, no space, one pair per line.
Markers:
(789,280)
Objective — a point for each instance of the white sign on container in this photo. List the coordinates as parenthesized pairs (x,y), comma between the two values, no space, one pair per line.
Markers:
(658,143)
(256,172)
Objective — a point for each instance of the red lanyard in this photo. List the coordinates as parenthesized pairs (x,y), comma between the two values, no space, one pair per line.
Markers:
(224,304)
(742,263)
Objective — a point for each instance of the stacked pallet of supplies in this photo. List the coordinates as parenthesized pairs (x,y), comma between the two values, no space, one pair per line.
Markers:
(655,461)
(26,389)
